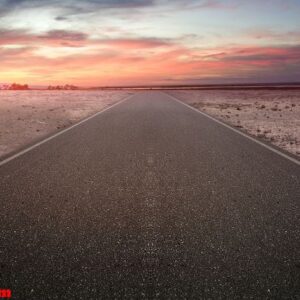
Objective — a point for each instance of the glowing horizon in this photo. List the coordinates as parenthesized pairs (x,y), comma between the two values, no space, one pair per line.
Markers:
(136,42)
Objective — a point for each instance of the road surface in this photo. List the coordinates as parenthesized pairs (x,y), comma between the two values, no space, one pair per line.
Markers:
(153,200)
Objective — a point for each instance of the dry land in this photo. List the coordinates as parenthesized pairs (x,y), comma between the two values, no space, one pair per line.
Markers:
(270,115)
(26,116)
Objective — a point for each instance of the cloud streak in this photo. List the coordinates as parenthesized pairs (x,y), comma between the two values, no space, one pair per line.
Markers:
(75,7)
(154,60)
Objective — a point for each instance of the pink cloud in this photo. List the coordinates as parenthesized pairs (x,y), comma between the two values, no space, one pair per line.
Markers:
(117,60)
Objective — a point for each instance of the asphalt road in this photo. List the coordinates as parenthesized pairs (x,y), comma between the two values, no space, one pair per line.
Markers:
(153,200)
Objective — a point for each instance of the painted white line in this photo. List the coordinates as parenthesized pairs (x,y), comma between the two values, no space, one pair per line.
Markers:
(294,160)
(5,161)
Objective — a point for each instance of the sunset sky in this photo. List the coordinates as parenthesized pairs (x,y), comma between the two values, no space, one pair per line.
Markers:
(128,42)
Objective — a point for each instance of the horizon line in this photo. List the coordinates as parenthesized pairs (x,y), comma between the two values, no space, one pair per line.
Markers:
(155,86)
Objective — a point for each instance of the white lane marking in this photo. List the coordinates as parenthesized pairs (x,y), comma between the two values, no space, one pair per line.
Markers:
(294,160)
(5,161)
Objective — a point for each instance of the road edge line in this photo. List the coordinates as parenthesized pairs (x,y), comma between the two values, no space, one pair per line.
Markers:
(43,141)
(290,158)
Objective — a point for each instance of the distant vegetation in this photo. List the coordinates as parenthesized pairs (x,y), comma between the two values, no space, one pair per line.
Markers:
(63,87)
(21,87)
(14,86)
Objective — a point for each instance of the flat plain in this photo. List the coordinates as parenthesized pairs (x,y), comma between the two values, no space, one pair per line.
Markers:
(26,116)
(270,115)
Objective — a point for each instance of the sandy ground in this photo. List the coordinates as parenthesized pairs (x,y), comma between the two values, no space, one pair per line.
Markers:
(270,115)
(26,116)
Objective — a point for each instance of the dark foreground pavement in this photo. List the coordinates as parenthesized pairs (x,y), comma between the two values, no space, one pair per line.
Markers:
(150,200)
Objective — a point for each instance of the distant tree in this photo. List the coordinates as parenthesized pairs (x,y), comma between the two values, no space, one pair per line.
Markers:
(16,86)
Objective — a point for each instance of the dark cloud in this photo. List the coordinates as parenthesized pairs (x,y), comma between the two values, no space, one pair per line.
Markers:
(137,43)
(7,54)
(61,18)
(275,55)
(64,35)
(71,7)
(68,8)
(87,5)
(55,38)
(69,38)
(6,6)
(121,3)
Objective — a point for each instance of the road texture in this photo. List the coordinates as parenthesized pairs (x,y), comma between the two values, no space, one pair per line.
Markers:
(153,200)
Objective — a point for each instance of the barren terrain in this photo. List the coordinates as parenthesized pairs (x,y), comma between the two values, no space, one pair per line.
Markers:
(26,116)
(270,115)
